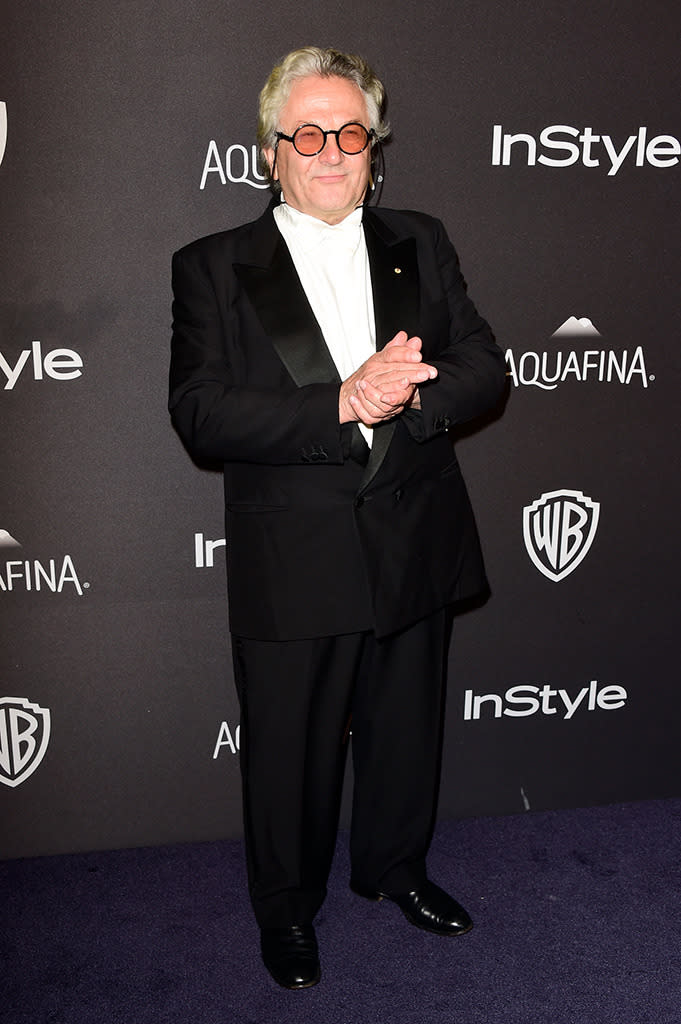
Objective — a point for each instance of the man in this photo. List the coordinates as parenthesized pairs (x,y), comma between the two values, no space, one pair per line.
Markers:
(321,353)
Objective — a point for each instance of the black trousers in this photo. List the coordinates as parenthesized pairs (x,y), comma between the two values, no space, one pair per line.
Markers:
(299,699)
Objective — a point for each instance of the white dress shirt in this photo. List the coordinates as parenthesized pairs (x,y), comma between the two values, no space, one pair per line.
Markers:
(333,267)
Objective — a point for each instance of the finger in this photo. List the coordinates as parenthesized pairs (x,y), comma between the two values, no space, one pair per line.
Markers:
(403,375)
(399,354)
(377,405)
(399,339)
(361,411)
(392,371)
(397,399)
(373,398)
(376,390)
(365,414)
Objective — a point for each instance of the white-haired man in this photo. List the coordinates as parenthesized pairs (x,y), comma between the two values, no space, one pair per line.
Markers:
(321,353)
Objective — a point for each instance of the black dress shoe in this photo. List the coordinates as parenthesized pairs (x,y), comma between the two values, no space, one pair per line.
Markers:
(291,955)
(428,907)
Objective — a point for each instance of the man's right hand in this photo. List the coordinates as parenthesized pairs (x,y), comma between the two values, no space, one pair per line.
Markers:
(385,384)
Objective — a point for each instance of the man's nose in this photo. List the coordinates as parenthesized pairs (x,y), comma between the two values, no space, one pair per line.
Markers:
(331,154)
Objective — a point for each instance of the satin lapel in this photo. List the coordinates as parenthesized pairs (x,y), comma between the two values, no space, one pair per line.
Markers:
(395,289)
(281,305)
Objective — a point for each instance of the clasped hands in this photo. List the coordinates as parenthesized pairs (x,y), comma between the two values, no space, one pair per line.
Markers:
(386,384)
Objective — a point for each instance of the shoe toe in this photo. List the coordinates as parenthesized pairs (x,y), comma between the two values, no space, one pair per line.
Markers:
(435,910)
(428,907)
(291,955)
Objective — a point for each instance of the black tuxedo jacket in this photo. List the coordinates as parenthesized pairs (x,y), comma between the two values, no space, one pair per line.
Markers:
(318,543)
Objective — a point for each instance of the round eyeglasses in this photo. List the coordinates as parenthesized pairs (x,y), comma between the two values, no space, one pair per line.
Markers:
(309,140)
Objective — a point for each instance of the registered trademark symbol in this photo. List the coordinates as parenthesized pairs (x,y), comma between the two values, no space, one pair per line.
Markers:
(86,586)
(651,377)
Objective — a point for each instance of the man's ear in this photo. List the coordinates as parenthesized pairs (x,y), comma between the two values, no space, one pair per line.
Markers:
(269,154)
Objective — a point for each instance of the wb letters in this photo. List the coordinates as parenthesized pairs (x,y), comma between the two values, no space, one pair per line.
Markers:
(24,736)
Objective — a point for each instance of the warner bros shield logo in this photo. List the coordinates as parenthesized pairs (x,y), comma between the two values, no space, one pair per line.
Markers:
(24,736)
(559,529)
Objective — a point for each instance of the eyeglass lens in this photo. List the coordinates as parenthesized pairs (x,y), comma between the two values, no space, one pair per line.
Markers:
(309,139)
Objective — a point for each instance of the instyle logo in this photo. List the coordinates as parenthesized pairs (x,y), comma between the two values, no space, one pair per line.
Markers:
(56,575)
(562,145)
(59,364)
(3,129)
(559,528)
(204,551)
(231,739)
(559,365)
(525,700)
(24,736)
(240,166)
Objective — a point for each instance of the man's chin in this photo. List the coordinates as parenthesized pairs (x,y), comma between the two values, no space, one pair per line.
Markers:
(337,207)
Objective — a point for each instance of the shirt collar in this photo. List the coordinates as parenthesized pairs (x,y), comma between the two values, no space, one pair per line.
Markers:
(310,232)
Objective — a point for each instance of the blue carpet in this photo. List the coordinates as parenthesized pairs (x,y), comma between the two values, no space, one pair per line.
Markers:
(577,914)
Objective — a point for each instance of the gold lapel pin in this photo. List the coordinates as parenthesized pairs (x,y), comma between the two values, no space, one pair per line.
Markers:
(398,270)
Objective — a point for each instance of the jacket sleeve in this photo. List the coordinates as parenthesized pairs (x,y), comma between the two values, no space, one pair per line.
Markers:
(471,368)
(214,414)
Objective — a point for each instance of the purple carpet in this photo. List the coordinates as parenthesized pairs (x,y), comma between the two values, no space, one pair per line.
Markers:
(577,914)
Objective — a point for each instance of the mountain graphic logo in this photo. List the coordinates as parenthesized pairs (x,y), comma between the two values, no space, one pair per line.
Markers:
(3,128)
(7,541)
(575,327)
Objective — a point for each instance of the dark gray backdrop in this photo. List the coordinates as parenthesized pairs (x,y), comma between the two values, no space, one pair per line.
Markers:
(110,114)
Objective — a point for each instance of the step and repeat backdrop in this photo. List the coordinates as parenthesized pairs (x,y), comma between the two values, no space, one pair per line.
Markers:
(547,138)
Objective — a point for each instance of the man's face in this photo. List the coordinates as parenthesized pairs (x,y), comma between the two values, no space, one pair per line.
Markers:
(330,185)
